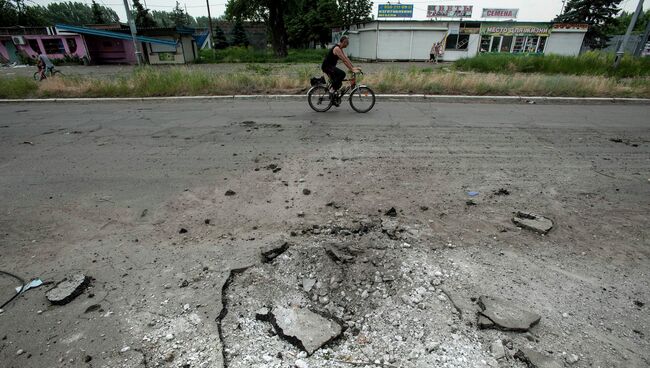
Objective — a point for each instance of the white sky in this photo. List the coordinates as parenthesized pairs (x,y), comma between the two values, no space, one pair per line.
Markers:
(529,10)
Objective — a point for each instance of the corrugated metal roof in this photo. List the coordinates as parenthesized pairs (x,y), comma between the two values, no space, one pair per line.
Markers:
(122,36)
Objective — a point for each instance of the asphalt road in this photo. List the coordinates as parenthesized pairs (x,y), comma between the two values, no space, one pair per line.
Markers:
(104,188)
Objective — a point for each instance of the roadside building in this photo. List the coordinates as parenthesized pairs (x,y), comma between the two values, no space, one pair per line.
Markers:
(412,40)
(99,44)
(399,33)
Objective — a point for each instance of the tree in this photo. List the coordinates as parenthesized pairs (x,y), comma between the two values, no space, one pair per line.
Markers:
(178,16)
(598,14)
(239,37)
(162,18)
(312,21)
(98,16)
(354,11)
(624,19)
(272,12)
(220,40)
(142,17)
(8,14)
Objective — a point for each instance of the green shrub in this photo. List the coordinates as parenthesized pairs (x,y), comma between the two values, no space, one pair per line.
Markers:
(589,63)
(239,54)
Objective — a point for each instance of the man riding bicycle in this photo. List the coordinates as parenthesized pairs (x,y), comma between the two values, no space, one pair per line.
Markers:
(44,65)
(331,59)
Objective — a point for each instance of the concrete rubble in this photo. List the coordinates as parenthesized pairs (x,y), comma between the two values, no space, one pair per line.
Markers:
(533,222)
(534,359)
(68,289)
(304,328)
(504,315)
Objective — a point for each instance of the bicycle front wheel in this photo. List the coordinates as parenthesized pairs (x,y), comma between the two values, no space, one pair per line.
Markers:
(362,99)
(319,98)
(37,76)
(56,73)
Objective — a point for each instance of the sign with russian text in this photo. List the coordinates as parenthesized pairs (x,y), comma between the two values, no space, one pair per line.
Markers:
(500,13)
(516,29)
(395,11)
(571,26)
(449,11)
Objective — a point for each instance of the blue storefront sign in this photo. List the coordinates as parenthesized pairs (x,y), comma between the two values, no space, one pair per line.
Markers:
(395,11)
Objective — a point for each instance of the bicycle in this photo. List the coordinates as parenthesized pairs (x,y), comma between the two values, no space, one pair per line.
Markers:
(362,98)
(51,72)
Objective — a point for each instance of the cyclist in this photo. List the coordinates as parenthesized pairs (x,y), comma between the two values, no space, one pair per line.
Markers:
(44,65)
(331,59)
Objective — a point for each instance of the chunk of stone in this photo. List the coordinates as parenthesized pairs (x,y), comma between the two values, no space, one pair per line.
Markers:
(68,289)
(273,250)
(341,253)
(504,315)
(263,314)
(304,328)
(497,349)
(531,221)
(534,359)
(308,284)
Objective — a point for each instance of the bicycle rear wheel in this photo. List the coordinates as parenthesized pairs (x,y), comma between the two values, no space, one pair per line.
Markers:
(362,99)
(37,76)
(319,98)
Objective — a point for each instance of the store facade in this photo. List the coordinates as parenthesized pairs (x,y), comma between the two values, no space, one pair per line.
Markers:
(412,40)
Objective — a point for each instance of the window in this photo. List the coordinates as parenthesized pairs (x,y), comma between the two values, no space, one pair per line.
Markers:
(485,43)
(506,44)
(542,45)
(457,42)
(33,44)
(72,45)
(496,41)
(53,46)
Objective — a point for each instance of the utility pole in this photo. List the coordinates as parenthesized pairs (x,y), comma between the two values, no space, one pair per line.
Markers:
(134,32)
(630,27)
(641,45)
(207,2)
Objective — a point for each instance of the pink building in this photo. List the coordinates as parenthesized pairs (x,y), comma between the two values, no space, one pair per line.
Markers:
(19,43)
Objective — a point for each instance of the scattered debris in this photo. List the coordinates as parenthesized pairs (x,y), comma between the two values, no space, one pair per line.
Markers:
(30,285)
(572,358)
(125,349)
(68,289)
(341,253)
(531,221)
(306,191)
(502,191)
(274,250)
(497,349)
(20,352)
(535,359)
(472,194)
(182,230)
(144,213)
(333,204)
(424,208)
(470,202)
(92,308)
(206,221)
(230,193)
(392,212)
(504,315)
(28,142)
(639,303)
(304,328)
(308,284)
(87,359)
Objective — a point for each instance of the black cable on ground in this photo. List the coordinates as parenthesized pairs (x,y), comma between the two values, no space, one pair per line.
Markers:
(22,287)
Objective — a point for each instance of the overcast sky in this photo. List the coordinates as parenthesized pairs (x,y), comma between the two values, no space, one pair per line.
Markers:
(538,10)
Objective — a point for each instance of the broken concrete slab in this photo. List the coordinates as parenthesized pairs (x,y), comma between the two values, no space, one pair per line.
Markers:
(308,284)
(504,315)
(343,253)
(273,250)
(304,328)
(497,349)
(68,289)
(534,359)
(533,222)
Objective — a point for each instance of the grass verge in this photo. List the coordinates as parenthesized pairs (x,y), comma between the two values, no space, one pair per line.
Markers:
(589,63)
(250,55)
(259,79)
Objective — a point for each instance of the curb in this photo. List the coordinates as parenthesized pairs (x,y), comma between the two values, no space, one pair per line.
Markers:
(394,97)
